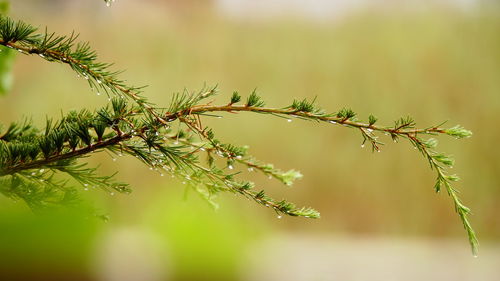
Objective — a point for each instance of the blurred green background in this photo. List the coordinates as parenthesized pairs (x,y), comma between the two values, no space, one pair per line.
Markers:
(380,220)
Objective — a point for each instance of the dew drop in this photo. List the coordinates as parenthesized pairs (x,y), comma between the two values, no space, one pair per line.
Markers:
(161,175)
(86,189)
(230,167)
(363,145)
(114,159)
(289,120)
(279,217)
(111,193)
(42,170)
(99,81)
(250,169)
(239,157)
(98,93)
(332,122)
(183,182)
(33,173)
(42,56)
(369,130)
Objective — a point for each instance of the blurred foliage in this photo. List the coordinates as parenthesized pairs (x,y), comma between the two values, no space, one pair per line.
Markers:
(45,247)
(6,59)
(203,244)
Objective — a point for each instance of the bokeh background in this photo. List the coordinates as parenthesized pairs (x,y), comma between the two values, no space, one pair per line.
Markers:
(381,220)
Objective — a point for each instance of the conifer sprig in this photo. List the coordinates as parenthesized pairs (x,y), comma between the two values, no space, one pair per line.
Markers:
(438,163)
(41,167)
(79,56)
(403,128)
(121,129)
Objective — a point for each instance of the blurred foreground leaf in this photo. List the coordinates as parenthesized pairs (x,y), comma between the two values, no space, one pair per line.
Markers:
(6,59)
(4,7)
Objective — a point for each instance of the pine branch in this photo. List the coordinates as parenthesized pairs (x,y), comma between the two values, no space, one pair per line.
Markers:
(333,118)
(130,135)
(403,128)
(438,162)
(32,160)
(79,56)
